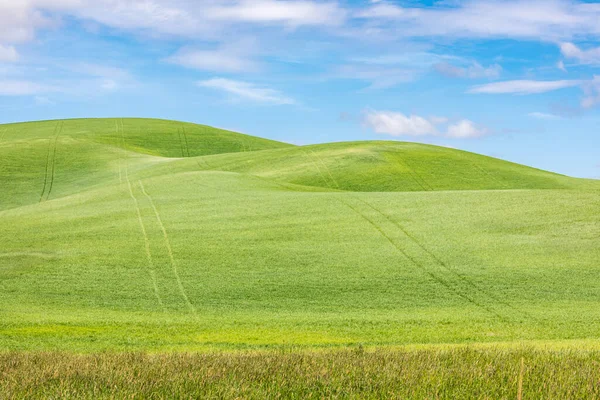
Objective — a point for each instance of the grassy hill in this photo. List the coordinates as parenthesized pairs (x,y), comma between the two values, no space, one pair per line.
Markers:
(380,166)
(159,235)
(83,153)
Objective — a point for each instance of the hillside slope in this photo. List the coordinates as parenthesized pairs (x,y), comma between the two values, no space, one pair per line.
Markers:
(111,240)
(380,166)
(49,159)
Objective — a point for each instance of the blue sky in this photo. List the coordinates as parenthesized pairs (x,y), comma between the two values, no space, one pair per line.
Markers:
(519,80)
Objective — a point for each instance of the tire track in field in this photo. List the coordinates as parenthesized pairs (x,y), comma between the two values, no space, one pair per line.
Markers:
(180,142)
(47,163)
(146,246)
(151,271)
(54,160)
(317,167)
(50,162)
(187,146)
(324,166)
(122,137)
(120,155)
(449,285)
(443,264)
(169,250)
(494,177)
(208,168)
(411,171)
(243,145)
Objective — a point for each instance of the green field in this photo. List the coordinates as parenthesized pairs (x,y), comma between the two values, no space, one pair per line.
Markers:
(154,236)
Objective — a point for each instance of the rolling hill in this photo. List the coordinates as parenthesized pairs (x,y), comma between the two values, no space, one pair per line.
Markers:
(162,235)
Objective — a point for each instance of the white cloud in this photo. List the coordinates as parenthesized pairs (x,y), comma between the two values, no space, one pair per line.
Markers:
(292,12)
(43,101)
(8,54)
(104,77)
(542,115)
(465,129)
(382,10)
(531,19)
(590,88)
(591,92)
(109,85)
(231,58)
(247,91)
(524,86)
(102,71)
(438,120)
(556,20)
(398,124)
(379,77)
(561,65)
(590,56)
(23,88)
(20,19)
(390,69)
(474,71)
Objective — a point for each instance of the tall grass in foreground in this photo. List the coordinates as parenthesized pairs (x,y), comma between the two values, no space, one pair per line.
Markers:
(433,374)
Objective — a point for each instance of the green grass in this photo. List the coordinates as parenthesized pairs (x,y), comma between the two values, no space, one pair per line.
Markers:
(120,235)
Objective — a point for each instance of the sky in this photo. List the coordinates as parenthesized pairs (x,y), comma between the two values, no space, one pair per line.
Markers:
(514,79)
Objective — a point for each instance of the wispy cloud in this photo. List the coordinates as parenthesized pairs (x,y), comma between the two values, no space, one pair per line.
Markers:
(543,115)
(377,76)
(8,54)
(531,19)
(473,71)
(547,20)
(389,70)
(236,57)
(24,88)
(19,20)
(523,87)
(107,78)
(292,13)
(99,70)
(247,91)
(589,56)
(591,91)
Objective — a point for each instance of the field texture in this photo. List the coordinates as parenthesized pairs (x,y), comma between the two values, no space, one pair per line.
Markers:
(149,235)
(383,374)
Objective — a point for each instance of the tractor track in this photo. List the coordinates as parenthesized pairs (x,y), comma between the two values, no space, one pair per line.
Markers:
(312,160)
(325,166)
(411,171)
(180,142)
(120,155)
(51,162)
(187,146)
(450,286)
(150,263)
(169,250)
(146,246)
(443,264)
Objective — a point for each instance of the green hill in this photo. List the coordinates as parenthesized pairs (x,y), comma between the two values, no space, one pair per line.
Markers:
(380,166)
(158,235)
(51,159)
